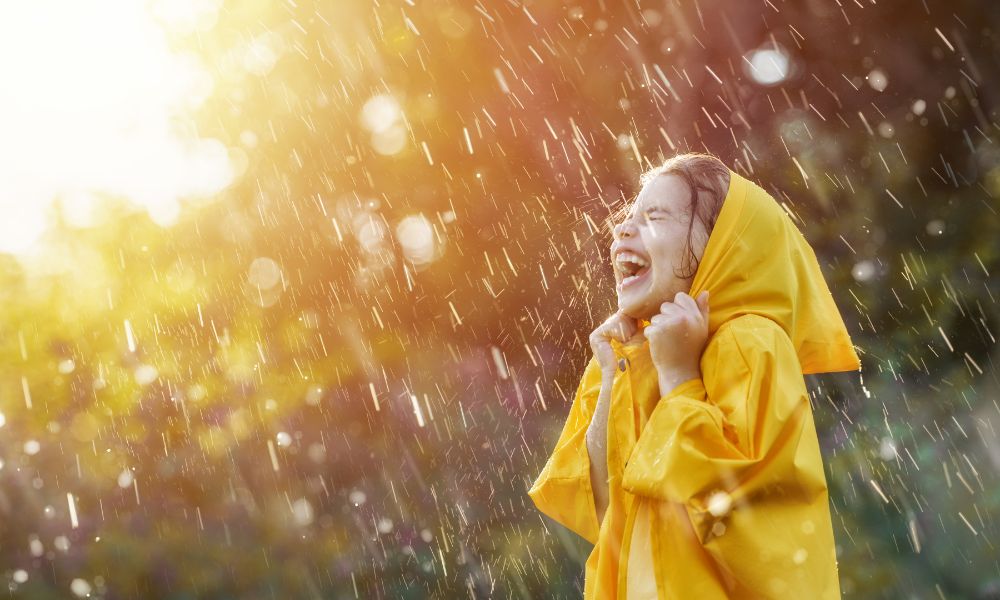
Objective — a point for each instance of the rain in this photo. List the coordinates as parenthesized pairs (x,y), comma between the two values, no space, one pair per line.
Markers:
(296,294)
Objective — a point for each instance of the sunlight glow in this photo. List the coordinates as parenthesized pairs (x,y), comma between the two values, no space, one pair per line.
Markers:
(91,106)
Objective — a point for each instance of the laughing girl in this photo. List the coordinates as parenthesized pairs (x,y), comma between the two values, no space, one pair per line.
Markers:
(689,457)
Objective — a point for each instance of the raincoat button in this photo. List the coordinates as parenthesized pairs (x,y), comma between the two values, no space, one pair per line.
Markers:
(621,364)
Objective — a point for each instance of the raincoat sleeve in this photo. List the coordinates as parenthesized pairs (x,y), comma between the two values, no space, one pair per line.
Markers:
(738,448)
(563,489)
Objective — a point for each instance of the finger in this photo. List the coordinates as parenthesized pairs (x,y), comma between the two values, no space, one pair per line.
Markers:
(626,318)
(598,337)
(666,322)
(669,308)
(618,329)
(703,304)
(694,308)
(607,331)
(625,321)
(621,331)
(688,304)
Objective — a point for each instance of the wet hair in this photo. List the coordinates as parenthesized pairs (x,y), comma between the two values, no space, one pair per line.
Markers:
(707,179)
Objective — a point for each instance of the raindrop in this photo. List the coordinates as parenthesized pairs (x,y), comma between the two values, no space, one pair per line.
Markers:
(80,587)
(314,395)
(416,236)
(264,273)
(385,525)
(370,231)
(125,478)
(719,528)
(146,374)
(887,449)
(197,392)
(878,80)
(380,113)
(261,54)
(391,141)
(248,139)
(317,453)
(302,511)
(863,270)
(768,66)
(719,503)
(31,447)
(652,17)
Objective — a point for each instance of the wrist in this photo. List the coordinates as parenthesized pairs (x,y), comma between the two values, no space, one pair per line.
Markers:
(671,378)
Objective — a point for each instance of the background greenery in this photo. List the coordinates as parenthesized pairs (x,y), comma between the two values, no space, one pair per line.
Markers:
(258,437)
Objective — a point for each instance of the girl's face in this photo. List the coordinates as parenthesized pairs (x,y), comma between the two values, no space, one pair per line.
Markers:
(649,247)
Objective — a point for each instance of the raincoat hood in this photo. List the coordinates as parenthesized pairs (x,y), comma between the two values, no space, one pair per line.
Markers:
(756,261)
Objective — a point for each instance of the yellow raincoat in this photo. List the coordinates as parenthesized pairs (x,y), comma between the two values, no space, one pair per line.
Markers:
(717,489)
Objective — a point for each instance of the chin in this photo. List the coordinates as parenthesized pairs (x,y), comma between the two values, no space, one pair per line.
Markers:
(636,308)
(644,305)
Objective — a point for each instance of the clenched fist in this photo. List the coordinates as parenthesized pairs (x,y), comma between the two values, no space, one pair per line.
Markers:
(677,337)
(618,326)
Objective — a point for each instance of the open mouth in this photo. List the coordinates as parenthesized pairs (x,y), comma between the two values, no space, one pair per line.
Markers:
(632,268)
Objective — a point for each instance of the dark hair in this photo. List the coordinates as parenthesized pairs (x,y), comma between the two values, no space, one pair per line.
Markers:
(707,179)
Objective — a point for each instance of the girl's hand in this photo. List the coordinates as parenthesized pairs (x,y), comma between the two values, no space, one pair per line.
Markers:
(618,326)
(677,337)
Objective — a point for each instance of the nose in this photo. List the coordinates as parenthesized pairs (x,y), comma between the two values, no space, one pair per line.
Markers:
(624,229)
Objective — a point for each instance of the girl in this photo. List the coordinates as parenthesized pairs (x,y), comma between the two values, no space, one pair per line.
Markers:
(689,457)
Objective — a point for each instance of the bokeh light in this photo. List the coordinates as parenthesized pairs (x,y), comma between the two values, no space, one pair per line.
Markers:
(768,66)
(416,237)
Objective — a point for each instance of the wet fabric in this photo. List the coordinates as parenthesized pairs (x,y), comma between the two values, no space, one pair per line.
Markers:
(717,489)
